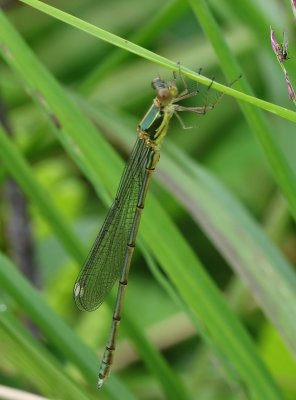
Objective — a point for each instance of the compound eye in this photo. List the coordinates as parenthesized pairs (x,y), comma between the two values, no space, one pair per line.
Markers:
(155,83)
(158,83)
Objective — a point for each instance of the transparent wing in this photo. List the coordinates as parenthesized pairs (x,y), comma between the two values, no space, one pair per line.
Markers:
(104,262)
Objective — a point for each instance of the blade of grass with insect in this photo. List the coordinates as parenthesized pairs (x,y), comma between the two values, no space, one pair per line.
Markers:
(149,55)
(64,339)
(183,267)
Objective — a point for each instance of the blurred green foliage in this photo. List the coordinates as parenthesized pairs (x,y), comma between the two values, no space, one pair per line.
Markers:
(66,205)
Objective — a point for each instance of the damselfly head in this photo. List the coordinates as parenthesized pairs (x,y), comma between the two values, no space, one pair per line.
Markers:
(166,91)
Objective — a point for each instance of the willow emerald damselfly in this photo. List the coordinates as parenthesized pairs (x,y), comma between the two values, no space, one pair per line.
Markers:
(110,257)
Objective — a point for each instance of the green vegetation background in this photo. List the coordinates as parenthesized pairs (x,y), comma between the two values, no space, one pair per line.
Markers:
(210,309)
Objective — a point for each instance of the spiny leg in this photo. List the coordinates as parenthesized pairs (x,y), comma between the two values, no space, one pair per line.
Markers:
(221,94)
(218,97)
(201,110)
(185,94)
(210,106)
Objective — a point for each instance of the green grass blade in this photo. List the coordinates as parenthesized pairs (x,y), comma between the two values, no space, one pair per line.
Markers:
(258,262)
(35,361)
(168,13)
(149,55)
(64,339)
(20,170)
(280,167)
(173,386)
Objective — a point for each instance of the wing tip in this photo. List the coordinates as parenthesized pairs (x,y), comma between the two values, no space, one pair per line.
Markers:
(81,300)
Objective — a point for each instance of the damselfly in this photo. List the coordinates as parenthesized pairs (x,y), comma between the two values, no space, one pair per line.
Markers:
(110,257)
